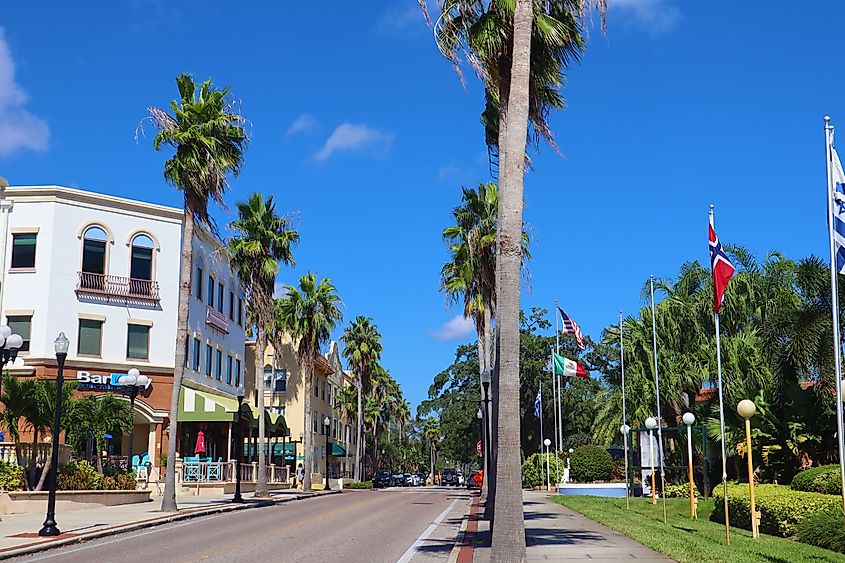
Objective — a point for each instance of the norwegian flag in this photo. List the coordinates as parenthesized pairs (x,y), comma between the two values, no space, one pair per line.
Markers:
(722,269)
(571,327)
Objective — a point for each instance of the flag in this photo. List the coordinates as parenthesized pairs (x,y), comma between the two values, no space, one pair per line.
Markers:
(537,403)
(721,267)
(838,206)
(571,327)
(569,368)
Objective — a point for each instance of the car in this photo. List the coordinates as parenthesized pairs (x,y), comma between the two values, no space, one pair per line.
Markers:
(460,479)
(398,479)
(421,479)
(382,479)
(449,477)
(409,479)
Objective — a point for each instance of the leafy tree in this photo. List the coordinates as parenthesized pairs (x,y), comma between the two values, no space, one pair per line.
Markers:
(208,137)
(17,399)
(95,416)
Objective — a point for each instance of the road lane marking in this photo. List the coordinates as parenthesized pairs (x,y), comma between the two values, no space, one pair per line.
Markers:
(424,536)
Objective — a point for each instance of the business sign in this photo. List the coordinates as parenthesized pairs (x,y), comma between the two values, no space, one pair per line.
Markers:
(100,382)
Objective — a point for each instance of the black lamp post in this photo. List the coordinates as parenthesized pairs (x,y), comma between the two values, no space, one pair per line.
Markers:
(135,382)
(240,451)
(9,346)
(485,421)
(49,528)
(327,423)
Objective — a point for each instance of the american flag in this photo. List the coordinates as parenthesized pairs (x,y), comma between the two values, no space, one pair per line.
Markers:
(571,327)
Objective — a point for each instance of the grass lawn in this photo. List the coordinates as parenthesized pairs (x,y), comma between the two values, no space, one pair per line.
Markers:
(686,540)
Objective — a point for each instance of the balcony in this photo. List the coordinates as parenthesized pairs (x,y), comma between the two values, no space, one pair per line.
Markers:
(116,287)
(216,319)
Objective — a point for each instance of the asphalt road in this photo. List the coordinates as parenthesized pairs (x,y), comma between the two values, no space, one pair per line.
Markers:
(356,526)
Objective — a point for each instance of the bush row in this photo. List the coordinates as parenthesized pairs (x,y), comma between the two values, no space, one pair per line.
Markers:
(534,470)
(82,476)
(11,477)
(781,509)
(681,490)
(824,479)
(358,485)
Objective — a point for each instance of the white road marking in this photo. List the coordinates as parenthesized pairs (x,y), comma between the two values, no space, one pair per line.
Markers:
(424,536)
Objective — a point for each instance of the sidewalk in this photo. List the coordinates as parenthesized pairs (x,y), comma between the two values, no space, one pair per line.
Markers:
(19,532)
(556,533)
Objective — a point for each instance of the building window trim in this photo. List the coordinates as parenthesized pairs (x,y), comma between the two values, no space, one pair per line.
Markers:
(129,327)
(24,267)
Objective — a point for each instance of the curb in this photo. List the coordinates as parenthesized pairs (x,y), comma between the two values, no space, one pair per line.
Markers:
(462,551)
(153,522)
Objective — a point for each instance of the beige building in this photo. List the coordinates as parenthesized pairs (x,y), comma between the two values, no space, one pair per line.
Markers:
(284,390)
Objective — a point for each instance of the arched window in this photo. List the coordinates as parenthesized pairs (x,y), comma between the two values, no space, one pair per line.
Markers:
(141,267)
(94,242)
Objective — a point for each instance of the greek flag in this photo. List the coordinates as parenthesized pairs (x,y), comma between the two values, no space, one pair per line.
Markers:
(838,210)
(537,403)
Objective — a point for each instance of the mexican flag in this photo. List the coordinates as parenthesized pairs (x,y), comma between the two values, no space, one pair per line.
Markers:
(568,368)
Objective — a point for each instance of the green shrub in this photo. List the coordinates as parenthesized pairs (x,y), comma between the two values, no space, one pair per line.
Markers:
(591,463)
(618,472)
(78,476)
(534,470)
(11,477)
(358,485)
(823,479)
(782,510)
(825,528)
(681,490)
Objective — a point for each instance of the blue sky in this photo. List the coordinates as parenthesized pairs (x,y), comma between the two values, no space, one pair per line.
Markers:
(365,135)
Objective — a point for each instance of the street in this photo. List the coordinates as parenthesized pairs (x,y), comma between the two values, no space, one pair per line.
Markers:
(356,526)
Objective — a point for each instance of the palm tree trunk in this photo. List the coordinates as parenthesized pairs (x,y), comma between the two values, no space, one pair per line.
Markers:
(307,368)
(486,434)
(359,452)
(260,347)
(32,459)
(508,538)
(168,501)
(47,464)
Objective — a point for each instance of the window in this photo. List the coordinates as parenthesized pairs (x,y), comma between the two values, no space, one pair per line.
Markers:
(21,325)
(141,264)
(229,370)
(187,354)
(268,377)
(90,339)
(199,280)
(208,359)
(218,365)
(280,385)
(240,311)
(197,346)
(314,422)
(331,398)
(231,305)
(323,388)
(23,250)
(317,388)
(237,372)
(210,294)
(138,342)
(94,250)
(220,297)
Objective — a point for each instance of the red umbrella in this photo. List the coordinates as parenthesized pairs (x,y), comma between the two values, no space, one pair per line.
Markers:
(200,447)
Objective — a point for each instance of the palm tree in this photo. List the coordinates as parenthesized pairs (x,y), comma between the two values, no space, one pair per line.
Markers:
(93,417)
(362,351)
(432,436)
(310,312)
(402,414)
(262,241)
(17,399)
(372,415)
(348,405)
(209,141)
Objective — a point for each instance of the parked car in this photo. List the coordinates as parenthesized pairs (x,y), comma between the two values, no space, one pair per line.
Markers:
(460,479)
(398,479)
(421,478)
(449,477)
(409,479)
(382,479)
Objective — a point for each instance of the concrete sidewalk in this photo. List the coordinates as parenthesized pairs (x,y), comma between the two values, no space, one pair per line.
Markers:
(556,533)
(19,532)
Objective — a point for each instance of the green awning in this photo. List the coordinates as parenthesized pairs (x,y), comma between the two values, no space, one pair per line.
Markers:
(275,424)
(337,451)
(201,406)
(277,450)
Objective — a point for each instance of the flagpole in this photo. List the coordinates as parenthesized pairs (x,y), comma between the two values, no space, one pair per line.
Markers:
(559,382)
(624,411)
(657,389)
(557,451)
(834,293)
(721,413)
(542,437)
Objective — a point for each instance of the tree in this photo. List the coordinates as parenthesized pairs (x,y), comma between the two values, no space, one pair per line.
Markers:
(347,401)
(362,350)
(209,141)
(263,239)
(432,437)
(94,416)
(310,312)
(18,398)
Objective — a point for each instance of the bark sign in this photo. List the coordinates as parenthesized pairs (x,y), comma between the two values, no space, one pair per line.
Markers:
(508,544)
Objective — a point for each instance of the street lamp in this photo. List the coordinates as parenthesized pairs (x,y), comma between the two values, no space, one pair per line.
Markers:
(240,450)
(486,429)
(327,423)
(689,419)
(135,382)
(746,410)
(49,528)
(651,424)
(548,443)
(625,430)
(10,344)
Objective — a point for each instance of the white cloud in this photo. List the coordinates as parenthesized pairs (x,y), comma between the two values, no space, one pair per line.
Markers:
(19,129)
(457,328)
(654,16)
(350,137)
(452,173)
(402,19)
(305,123)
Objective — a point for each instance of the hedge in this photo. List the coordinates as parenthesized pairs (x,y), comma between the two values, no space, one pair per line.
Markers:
(681,490)
(11,477)
(824,529)
(82,476)
(781,509)
(590,463)
(534,470)
(823,479)
(358,485)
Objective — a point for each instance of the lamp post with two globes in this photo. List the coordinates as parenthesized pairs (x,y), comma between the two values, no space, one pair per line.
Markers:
(746,410)
(11,344)
(689,419)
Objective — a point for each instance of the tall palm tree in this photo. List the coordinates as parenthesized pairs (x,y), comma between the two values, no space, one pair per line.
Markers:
(372,415)
(348,404)
(403,415)
(262,241)
(209,142)
(310,312)
(362,350)
(432,436)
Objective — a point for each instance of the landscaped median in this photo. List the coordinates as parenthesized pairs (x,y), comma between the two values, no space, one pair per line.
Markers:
(687,540)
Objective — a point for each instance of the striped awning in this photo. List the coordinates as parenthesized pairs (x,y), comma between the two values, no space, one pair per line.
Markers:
(201,406)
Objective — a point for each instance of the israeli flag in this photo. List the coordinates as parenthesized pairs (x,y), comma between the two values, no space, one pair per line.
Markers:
(537,403)
(838,211)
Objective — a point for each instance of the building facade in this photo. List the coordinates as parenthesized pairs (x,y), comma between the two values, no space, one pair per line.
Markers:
(105,271)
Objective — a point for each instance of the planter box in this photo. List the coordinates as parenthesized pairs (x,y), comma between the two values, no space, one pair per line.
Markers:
(613,490)
(36,501)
